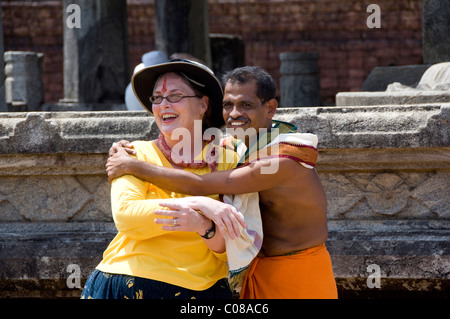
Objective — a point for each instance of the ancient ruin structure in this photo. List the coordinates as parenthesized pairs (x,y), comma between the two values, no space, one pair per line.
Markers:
(385,170)
(432,87)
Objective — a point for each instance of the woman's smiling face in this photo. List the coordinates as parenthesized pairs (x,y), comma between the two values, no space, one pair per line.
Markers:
(172,115)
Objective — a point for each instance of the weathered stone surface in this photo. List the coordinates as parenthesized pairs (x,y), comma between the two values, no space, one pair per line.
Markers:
(24,88)
(413,256)
(34,257)
(382,76)
(391,98)
(96,67)
(377,195)
(61,198)
(3,107)
(83,132)
(435,30)
(183,27)
(433,87)
(385,171)
(377,127)
(299,82)
(435,78)
(227,53)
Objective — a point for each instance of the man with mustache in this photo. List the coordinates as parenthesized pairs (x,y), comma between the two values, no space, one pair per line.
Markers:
(293,261)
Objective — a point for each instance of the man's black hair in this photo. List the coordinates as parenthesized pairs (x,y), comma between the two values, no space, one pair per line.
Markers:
(266,89)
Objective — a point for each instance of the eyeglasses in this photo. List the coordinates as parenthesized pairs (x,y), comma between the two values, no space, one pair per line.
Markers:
(173,98)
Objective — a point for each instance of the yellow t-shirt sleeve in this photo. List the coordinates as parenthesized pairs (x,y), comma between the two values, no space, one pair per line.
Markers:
(132,212)
(221,256)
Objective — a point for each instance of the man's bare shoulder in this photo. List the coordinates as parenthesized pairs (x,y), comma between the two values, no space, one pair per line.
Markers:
(296,185)
(292,169)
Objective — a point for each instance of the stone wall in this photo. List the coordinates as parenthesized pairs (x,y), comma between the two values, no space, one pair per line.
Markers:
(385,170)
(348,49)
(54,195)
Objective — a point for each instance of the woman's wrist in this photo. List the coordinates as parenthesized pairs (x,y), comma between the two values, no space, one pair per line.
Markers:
(205,225)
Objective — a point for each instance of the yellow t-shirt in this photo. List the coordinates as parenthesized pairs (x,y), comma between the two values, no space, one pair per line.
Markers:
(142,249)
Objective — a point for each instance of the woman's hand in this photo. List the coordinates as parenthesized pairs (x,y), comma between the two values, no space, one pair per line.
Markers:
(183,218)
(226,217)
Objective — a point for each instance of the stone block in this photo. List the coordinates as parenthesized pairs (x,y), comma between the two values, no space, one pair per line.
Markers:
(96,61)
(35,257)
(381,76)
(412,258)
(183,27)
(227,53)
(24,88)
(71,132)
(433,87)
(391,98)
(435,30)
(3,107)
(299,82)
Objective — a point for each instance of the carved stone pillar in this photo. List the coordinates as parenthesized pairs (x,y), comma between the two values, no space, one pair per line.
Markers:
(183,27)
(436,30)
(3,107)
(299,83)
(96,63)
(24,88)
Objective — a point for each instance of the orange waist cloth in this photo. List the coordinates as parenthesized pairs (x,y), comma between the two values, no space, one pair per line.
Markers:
(305,275)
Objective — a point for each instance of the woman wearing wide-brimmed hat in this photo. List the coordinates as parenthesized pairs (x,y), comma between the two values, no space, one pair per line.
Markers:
(170,255)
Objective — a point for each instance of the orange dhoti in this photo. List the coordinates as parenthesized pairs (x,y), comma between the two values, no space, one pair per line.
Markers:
(304,275)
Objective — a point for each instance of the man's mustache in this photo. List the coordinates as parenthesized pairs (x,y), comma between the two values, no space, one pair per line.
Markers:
(239,118)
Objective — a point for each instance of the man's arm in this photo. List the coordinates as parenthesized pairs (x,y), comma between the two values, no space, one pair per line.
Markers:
(241,180)
(226,217)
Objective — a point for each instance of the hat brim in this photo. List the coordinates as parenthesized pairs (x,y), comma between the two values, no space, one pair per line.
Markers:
(143,83)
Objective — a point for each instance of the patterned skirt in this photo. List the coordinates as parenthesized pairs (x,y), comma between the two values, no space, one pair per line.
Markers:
(101,285)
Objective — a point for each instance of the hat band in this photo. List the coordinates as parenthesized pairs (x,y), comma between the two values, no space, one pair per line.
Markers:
(185,76)
(190,80)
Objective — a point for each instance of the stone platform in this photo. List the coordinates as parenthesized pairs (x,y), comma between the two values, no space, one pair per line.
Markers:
(385,170)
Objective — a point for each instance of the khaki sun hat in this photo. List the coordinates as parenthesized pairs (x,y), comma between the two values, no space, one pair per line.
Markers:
(199,75)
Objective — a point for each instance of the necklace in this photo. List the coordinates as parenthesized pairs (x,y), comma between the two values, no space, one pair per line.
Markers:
(211,156)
